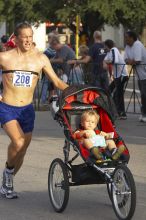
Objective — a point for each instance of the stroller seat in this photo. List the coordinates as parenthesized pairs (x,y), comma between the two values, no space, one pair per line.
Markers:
(73,106)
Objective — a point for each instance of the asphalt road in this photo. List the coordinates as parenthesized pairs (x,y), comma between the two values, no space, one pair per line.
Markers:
(85,202)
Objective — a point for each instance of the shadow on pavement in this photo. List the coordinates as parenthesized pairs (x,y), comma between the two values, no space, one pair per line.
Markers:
(83,201)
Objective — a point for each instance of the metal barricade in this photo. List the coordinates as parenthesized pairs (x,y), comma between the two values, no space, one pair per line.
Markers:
(82,74)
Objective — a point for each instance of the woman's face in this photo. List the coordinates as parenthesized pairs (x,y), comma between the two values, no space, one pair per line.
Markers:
(24,40)
(129,40)
(106,48)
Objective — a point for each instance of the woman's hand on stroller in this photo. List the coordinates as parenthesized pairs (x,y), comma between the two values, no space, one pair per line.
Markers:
(72,62)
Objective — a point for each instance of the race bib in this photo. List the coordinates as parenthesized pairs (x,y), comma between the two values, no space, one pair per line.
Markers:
(22,79)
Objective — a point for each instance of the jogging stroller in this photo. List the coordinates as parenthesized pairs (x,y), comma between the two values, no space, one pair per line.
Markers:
(115,174)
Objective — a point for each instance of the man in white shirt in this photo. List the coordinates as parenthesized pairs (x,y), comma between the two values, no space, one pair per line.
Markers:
(120,75)
(135,55)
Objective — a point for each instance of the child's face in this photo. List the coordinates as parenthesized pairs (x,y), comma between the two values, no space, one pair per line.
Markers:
(89,123)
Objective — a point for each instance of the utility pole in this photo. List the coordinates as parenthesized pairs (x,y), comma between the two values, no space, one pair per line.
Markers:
(77,35)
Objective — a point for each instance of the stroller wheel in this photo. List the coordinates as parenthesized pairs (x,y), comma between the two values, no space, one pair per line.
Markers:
(123,193)
(109,190)
(58,185)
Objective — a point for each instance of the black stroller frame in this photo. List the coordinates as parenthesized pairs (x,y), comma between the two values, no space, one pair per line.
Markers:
(64,174)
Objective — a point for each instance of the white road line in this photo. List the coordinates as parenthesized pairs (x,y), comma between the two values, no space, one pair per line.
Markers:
(131,90)
(136,137)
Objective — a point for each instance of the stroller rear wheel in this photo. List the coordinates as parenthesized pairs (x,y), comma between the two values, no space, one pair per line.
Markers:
(58,185)
(123,193)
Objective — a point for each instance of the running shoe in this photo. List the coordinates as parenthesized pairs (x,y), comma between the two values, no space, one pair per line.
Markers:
(7,189)
(9,194)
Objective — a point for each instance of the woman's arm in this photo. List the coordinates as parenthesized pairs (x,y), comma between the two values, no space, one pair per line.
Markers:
(49,72)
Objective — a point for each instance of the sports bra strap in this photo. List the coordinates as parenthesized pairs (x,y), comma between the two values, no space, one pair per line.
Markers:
(12,71)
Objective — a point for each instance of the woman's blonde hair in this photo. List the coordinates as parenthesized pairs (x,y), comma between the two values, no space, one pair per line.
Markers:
(83,50)
(90,113)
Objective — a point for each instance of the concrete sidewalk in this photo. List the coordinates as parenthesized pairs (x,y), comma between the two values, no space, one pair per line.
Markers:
(86,202)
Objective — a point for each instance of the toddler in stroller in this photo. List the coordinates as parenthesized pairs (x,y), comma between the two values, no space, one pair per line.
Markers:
(74,104)
(94,140)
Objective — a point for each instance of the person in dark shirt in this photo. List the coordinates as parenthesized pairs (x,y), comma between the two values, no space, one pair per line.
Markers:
(47,85)
(96,56)
(63,54)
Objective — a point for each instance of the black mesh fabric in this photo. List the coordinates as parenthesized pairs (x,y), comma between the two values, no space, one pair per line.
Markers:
(104,100)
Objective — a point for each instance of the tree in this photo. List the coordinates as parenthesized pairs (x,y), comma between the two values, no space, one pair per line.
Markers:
(20,10)
(94,14)
(130,13)
(16,11)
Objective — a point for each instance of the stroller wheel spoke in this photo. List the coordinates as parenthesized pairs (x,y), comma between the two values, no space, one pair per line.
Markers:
(123,193)
(58,185)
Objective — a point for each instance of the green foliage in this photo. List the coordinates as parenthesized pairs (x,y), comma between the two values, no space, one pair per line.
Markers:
(93,13)
(20,10)
(130,13)
(1,8)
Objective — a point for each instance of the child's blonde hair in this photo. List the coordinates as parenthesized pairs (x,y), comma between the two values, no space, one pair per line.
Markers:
(90,113)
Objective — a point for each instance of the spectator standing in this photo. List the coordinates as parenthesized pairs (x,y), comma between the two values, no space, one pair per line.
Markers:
(83,36)
(9,45)
(135,55)
(63,54)
(96,55)
(4,40)
(46,84)
(50,52)
(84,73)
(119,74)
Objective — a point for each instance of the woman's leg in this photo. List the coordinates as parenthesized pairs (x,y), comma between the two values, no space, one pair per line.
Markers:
(18,146)
(15,156)
(119,99)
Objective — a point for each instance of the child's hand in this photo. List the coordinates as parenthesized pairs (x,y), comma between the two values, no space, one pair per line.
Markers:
(104,134)
(110,135)
(89,133)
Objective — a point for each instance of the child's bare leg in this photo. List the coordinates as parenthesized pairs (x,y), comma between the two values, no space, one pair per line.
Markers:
(116,152)
(87,144)
(111,144)
(94,150)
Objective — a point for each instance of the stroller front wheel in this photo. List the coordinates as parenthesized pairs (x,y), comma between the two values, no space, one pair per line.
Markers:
(58,185)
(123,193)
(109,190)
